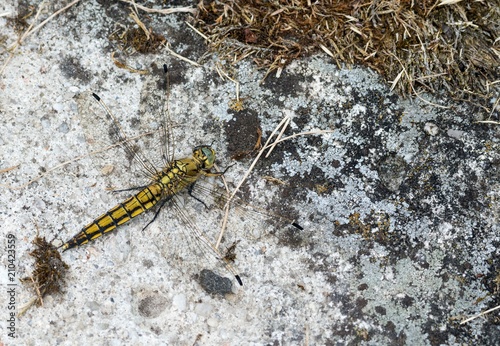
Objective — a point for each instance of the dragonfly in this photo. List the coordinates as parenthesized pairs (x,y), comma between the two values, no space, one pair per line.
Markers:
(165,183)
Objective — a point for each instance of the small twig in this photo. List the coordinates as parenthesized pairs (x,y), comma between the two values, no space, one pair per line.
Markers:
(495,105)
(326,50)
(26,307)
(481,314)
(226,211)
(123,65)
(283,126)
(167,47)
(8,169)
(198,32)
(488,122)
(162,11)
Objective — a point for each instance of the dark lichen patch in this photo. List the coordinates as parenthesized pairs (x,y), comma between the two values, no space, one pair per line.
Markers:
(321,263)
(213,283)
(362,287)
(407,301)
(431,180)
(291,237)
(152,306)
(242,133)
(353,307)
(113,10)
(147,263)
(315,180)
(288,84)
(20,22)
(72,69)
(392,172)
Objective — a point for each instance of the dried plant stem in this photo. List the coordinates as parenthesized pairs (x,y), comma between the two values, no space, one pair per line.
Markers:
(488,122)
(480,315)
(178,56)
(185,9)
(26,307)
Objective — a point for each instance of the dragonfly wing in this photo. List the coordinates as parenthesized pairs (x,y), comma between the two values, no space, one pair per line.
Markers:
(258,220)
(197,239)
(110,147)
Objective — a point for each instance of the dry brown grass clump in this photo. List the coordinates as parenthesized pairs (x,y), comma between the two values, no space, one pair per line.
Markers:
(49,274)
(419,46)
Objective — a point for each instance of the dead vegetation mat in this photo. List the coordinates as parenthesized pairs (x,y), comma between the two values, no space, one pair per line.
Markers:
(419,47)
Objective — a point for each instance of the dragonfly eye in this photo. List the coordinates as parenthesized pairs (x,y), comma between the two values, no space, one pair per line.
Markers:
(206,155)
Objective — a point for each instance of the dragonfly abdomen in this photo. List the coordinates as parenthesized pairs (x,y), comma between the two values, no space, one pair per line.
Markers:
(144,200)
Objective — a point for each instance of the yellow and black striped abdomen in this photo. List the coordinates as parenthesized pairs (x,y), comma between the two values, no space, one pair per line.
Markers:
(123,212)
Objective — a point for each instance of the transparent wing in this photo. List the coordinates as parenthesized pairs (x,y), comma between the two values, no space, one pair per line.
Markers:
(118,136)
(109,147)
(216,197)
(201,219)
(145,137)
(167,139)
(197,236)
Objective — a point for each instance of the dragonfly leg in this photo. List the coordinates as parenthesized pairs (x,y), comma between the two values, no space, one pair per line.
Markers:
(190,192)
(162,203)
(130,189)
(217,174)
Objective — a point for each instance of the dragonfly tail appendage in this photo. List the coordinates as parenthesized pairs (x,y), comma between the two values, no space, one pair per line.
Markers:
(239,280)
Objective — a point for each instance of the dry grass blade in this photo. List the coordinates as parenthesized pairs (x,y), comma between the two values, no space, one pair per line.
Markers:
(428,46)
(480,315)
(124,65)
(8,169)
(488,122)
(448,2)
(161,11)
(178,56)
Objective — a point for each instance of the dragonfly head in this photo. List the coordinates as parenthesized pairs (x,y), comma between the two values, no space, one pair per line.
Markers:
(205,154)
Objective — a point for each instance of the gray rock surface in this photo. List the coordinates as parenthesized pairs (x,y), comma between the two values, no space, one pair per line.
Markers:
(399,204)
